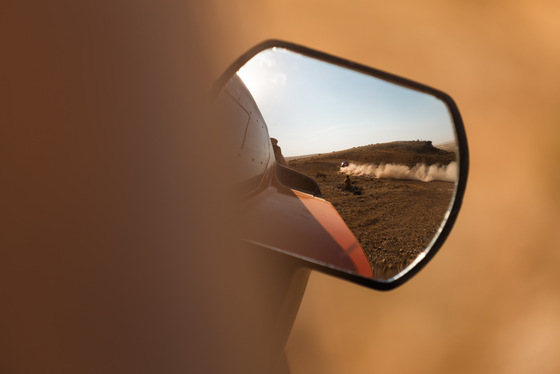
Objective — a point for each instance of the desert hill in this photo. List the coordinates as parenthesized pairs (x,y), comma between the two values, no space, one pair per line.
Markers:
(407,153)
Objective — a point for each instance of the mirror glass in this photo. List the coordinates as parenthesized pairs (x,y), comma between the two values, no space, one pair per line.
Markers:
(383,155)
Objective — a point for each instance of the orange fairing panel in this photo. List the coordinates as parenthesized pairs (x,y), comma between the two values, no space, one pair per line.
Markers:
(305,226)
(329,218)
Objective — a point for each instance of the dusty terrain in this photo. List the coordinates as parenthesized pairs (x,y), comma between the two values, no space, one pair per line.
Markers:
(393,219)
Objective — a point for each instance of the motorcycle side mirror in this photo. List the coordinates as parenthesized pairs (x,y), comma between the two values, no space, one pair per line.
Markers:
(352,171)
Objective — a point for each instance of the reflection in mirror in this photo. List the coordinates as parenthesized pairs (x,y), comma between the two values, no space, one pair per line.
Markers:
(385,156)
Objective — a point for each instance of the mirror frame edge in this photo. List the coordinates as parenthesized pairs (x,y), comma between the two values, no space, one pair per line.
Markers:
(463,154)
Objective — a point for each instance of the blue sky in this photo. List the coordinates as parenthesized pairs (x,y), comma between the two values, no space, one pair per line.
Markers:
(312,106)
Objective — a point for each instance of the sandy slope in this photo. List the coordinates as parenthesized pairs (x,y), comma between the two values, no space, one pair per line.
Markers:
(394,220)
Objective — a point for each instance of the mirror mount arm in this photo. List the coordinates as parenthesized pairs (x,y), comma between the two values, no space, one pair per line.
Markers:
(297,181)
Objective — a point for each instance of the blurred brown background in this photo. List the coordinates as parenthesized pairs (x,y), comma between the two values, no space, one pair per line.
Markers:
(490,301)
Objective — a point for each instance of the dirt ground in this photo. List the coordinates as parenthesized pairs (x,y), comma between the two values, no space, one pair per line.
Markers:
(394,220)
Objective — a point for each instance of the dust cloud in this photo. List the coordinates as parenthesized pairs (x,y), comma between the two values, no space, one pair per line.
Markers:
(420,172)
